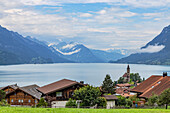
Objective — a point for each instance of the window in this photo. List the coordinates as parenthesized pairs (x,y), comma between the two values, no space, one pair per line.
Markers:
(22,101)
(58,94)
(12,100)
(35,101)
(19,101)
(29,100)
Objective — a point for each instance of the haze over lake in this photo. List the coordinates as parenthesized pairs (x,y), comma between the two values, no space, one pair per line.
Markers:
(92,73)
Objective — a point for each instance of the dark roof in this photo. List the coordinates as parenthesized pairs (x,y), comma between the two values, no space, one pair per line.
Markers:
(32,90)
(56,86)
(154,84)
(13,86)
(110,97)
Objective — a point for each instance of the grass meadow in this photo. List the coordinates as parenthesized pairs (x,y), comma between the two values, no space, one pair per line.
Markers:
(74,110)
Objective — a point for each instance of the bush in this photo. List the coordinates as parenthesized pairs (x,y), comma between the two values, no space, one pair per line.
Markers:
(101,102)
(121,101)
(42,103)
(152,100)
(4,103)
(128,103)
(2,95)
(71,103)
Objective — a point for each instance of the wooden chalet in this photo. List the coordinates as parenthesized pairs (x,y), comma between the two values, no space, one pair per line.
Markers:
(60,91)
(154,84)
(27,96)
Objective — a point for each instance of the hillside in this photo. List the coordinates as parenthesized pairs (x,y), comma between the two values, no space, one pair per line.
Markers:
(156,51)
(19,49)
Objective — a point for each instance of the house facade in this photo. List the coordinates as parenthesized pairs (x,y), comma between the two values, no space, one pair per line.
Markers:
(58,93)
(22,96)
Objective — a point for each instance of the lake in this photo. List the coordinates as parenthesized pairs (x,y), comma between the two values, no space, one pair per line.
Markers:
(92,73)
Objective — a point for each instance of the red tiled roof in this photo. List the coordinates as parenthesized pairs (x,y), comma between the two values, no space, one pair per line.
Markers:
(124,85)
(56,86)
(110,97)
(155,84)
(125,75)
(158,87)
(146,84)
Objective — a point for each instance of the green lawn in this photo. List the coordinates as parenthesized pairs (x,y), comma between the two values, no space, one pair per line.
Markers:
(70,110)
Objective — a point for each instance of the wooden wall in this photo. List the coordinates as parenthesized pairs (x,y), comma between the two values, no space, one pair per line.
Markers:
(19,97)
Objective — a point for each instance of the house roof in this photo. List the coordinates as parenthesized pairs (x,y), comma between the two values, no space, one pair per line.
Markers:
(124,85)
(110,97)
(31,90)
(154,84)
(13,86)
(125,75)
(56,86)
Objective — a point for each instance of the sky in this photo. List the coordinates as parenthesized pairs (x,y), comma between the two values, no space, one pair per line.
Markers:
(98,24)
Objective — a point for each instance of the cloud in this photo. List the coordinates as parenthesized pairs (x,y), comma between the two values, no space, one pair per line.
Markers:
(151,49)
(85,15)
(108,25)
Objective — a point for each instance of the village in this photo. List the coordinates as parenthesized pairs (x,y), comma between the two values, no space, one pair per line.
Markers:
(129,91)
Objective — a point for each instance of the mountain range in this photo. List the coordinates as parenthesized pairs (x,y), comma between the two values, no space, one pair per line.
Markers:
(16,49)
(157,51)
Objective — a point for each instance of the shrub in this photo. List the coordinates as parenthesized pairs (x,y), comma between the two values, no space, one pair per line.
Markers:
(42,103)
(71,103)
(128,103)
(3,103)
(121,101)
(153,99)
(101,102)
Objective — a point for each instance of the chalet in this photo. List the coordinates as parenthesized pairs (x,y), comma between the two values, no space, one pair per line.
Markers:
(58,93)
(154,84)
(25,96)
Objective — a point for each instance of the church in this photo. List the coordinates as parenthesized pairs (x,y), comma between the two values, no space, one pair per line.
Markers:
(126,76)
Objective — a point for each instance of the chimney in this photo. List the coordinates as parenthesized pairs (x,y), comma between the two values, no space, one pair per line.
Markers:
(164,74)
(82,82)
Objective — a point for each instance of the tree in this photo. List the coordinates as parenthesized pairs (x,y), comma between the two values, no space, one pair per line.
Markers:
(153,99)
(2,95)
(135,77)
(164,98)
(108,85)
(121,80)
(42,103)
(88,95)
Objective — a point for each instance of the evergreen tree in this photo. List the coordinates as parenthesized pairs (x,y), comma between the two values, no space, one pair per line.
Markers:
(108,85)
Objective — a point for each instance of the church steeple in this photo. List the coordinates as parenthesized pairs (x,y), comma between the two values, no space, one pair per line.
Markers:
(128,73)
(128,69)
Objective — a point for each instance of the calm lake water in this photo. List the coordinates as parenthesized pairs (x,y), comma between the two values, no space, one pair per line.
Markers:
(92,73)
